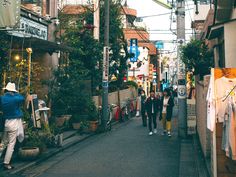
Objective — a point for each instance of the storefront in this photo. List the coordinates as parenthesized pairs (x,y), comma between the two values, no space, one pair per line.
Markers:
(33,33)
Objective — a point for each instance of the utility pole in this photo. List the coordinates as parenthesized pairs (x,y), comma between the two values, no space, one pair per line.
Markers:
(182,104)
(105,77)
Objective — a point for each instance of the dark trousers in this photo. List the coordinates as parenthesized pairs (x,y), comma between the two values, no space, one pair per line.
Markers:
(152,119)
(144,118)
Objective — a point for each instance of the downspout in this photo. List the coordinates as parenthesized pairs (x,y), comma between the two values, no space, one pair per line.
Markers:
(215,4)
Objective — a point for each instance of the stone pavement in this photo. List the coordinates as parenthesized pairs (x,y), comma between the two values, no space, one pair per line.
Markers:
(126,151)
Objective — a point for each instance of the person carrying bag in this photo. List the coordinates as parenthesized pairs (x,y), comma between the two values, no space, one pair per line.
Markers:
(10,104)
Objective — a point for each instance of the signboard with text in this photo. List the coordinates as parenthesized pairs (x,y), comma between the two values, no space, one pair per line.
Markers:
(134,50)
(105,63)
(31,28)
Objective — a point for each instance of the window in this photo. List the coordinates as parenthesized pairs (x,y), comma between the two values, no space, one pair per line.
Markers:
(48,7)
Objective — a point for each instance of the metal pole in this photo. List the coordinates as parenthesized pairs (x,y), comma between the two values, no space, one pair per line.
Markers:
(182,105)
(29,51)
(105,66)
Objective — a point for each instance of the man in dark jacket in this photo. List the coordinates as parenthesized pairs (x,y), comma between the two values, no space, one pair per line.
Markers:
(152,107)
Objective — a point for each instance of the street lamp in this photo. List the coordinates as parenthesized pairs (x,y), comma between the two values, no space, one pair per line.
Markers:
(29,51)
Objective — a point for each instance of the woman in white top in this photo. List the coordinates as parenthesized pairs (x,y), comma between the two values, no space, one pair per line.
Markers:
(167,104)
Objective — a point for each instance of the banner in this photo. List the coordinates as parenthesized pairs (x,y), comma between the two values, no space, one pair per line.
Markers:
(9,13)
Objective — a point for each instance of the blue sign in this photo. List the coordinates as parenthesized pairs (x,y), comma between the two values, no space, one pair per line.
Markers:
(159,45)
(104,84)
(134,50)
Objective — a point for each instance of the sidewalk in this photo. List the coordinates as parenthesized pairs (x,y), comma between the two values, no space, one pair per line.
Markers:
(70,138)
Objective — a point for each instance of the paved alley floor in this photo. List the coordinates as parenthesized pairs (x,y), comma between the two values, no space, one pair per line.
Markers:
(127,151)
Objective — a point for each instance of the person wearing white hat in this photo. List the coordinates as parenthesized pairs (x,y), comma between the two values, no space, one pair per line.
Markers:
(10,104)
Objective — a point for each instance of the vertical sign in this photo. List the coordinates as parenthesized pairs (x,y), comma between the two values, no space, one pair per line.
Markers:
(105,66)
(134,49)
(9,13)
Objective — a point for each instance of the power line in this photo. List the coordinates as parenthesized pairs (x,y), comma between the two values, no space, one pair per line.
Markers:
(157,15)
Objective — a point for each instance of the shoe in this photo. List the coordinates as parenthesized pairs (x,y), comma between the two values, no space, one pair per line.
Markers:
(7,167)
(169,134)
(155,131)
(150,133)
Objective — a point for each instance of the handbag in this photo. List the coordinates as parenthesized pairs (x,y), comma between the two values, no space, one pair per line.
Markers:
(20,131)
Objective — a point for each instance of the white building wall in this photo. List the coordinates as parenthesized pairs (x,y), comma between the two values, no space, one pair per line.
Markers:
(144,69)
(230,44)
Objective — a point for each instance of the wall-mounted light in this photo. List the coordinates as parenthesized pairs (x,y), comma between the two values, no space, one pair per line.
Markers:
(17,57)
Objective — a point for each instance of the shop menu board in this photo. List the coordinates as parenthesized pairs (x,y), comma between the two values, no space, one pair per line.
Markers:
(35,111)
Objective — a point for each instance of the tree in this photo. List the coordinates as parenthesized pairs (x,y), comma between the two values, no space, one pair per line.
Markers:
(117,42)
(197,57)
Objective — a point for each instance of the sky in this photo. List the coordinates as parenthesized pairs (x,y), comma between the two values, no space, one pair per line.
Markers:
(163,22)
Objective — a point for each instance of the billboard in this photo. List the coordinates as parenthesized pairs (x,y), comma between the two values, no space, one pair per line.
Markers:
(9,13)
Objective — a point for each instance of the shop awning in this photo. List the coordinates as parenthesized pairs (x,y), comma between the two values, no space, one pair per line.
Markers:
(40,45)
(215,31)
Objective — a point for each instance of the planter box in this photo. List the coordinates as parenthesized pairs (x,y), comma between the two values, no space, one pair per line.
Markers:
(62,119)
(76,126)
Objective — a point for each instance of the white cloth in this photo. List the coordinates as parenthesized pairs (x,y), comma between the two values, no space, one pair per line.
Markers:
(217,91)
(165,102)
(211,120)
(223,86)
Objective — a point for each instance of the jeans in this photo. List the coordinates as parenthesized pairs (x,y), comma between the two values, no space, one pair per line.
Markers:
(152,119)
(144,118)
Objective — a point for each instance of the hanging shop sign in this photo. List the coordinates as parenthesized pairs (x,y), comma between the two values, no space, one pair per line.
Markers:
(30,28)
(9,13)
(134,50)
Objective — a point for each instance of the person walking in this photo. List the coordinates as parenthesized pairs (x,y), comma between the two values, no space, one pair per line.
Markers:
(152,106)
(10,104)
(167,104)
(143,110)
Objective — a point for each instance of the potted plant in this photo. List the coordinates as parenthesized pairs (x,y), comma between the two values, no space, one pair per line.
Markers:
(76,120)
(31,146)
(92,116)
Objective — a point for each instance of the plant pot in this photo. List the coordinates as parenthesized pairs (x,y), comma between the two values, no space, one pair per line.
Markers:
(60,121)
(28,153)
(76,125)
(93,125)
(67,117)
